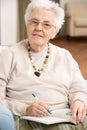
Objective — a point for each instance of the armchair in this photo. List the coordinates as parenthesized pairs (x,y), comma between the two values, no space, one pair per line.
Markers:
(76,18)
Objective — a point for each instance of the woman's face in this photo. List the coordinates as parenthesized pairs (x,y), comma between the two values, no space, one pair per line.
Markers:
(41,28)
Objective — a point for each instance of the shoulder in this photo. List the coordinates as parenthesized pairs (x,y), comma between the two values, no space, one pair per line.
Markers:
(14,51)
(63,54)
(60,51)
(20,46)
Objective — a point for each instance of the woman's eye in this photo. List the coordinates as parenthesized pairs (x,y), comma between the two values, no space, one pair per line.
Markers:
(47,25)
(34,22)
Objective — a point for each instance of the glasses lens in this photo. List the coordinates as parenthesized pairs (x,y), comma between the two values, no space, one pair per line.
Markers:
(45,25)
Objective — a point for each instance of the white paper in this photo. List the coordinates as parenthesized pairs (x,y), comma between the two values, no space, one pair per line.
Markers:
(57,116)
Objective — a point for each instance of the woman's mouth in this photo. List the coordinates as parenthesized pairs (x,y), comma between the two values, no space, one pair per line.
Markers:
(38,35)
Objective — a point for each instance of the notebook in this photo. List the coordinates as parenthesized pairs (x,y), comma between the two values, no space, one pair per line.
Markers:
(56,116)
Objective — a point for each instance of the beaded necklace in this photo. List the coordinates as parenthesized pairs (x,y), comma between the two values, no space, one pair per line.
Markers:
(37,71)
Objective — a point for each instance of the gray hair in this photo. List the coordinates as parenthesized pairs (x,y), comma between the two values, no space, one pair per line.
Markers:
(46,4)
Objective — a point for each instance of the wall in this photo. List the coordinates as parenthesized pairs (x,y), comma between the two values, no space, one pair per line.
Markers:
(8,21)
(0,21)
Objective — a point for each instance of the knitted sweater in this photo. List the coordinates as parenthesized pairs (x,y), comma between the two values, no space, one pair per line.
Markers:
(59,84)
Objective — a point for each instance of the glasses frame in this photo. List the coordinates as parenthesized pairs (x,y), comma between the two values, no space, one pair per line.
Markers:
(45,24)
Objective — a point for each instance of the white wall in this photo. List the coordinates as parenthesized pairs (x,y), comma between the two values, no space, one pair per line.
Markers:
(0,21)
(8,22)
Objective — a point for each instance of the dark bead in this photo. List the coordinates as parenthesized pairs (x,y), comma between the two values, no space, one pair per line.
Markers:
(47,56)
(37,73)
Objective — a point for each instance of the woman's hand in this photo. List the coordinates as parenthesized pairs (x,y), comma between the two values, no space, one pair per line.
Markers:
(37,109)
(78,111)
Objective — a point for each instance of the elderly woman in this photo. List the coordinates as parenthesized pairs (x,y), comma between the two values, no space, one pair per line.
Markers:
(36,66)
(6,119)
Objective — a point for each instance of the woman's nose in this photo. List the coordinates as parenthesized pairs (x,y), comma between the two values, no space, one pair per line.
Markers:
(39,26)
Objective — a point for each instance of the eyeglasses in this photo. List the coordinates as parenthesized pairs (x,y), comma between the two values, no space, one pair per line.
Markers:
(45,24)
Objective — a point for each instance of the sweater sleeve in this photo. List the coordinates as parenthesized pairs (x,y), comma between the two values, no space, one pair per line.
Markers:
(78,87)
(7,65)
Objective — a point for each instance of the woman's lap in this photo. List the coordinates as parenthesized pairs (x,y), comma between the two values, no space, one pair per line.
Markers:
(28,125)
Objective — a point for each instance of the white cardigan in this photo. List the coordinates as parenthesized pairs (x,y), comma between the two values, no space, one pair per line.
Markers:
(59,85)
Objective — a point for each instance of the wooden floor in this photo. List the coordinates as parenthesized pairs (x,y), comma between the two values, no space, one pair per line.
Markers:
(78,49)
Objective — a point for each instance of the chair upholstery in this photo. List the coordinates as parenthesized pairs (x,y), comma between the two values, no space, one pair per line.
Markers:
(76,18)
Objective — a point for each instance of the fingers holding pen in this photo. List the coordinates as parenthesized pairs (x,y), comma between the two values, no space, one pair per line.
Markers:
(37,109)
(41,108)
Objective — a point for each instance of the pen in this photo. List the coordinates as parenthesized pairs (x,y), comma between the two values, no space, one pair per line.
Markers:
(34,95)
(49,111)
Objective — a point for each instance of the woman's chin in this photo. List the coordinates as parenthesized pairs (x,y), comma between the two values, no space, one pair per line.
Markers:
(38,41)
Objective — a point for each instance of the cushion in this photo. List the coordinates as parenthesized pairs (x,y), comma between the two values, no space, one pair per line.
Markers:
(81,22)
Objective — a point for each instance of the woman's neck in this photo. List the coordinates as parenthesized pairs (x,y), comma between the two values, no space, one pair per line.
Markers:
(37,48)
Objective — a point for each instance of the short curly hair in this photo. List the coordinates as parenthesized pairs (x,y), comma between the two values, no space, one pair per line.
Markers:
(46,4)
